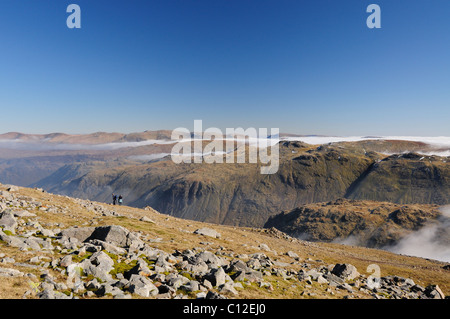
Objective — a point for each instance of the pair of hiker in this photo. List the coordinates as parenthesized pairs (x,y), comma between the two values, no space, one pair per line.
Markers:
(119,199)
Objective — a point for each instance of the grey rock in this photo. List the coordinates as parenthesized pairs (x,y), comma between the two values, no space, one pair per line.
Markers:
(47,233)
(101,259)
(7,260)
(237,265)
(346,286)
(333,280)
(45,243)
(108,289)
(417,288)
(211,259)
(122,283)
(322,280)
(217,277)
(12,188)
(108,247)
(250,275)
(434,292)
(191,286)
(345,271)
(207,232)
(32,243)
(146,219)
(99,266)
(142,286)
(201,295)
(302,275)
(176,281)
(292,254)
(118,236)
(166,289)
(7,196)
(8,221)
(115,235)
(207,284)
(259,260)
(35,260)
(163,262)
(80,233)
(141,268)
(93,284)
(122,295)
(265,284)
(46,294)
(66,261)
(14,241)
(409,282)
(214,295)
(10,272)
(313,273)
(228,288)
(24,213)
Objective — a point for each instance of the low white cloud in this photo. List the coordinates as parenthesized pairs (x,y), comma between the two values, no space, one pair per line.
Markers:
(431,241)
(440,144)
(149,157)
(43,145)
(438,141)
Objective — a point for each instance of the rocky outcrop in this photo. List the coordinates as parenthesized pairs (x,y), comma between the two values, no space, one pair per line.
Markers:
(106,236)
(363,223)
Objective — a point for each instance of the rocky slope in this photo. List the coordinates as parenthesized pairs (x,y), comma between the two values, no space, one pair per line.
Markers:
(405,178)
(58,247)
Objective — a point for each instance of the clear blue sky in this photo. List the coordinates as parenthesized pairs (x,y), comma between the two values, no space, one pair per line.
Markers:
(306,67)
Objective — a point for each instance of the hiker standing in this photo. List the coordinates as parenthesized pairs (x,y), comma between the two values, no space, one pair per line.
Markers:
(120,200)
(114,199)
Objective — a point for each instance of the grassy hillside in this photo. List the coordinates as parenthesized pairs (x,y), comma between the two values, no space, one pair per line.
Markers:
(52,213)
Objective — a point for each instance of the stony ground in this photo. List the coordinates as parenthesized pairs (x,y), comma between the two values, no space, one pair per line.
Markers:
(58,247)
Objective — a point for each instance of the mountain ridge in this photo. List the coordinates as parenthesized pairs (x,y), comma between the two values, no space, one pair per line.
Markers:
(237,194)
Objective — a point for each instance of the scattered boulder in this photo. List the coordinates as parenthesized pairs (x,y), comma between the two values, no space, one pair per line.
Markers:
(142,286)
(115,235)
(264,247)
(81,234)
(23,213)
(146,219)
(8,221)
(98,265)
(292,254)
(217,277)
(434,292)
(140,269)
(12,188)
(10,272)
(345,271)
